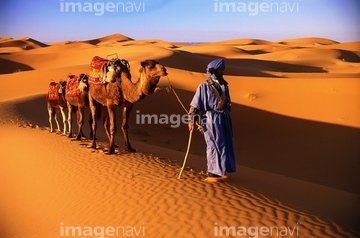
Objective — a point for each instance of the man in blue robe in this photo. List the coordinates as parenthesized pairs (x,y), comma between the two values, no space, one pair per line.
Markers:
(211,107)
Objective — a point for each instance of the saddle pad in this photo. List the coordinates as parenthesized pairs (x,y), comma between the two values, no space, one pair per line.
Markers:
(72,87)
(53,93)
(97,67)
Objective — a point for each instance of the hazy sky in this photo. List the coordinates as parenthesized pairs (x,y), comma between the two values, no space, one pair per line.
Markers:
(181,20)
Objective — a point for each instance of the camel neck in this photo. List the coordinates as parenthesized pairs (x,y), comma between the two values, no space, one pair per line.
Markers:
(132,91)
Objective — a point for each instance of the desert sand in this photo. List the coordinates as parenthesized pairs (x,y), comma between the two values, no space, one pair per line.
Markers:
(296,122)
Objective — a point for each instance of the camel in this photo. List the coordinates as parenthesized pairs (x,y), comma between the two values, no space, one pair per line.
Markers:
(77,100)
(104,90)
(150,73)
(119,89)
(55,101)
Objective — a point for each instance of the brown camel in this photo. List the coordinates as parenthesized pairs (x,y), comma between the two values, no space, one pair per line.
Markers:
(55,101)
(112,94)
(104,90)
(150,74)
(77,99)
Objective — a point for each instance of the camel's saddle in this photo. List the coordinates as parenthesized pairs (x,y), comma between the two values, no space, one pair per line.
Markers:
(72,85)
(98,69)
(53,92)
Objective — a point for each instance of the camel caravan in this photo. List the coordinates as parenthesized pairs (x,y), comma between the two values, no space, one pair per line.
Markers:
(107,87)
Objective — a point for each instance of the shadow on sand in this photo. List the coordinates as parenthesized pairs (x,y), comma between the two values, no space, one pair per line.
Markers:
(321,153)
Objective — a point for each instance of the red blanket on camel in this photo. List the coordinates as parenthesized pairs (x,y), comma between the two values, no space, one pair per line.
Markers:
(97,70)
(53,92)
(72,86)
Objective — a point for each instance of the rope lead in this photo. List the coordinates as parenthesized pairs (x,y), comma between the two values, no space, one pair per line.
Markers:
(171,87)
(190,136)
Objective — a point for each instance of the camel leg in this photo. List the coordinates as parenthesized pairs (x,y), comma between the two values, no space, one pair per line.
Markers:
(56,120)
(51,114)
(80,122)
(124,127)
(93,111)
(70,119)
(69,125)
(91,118)
(113,128)
(90,123)
(106,125)
(64,119)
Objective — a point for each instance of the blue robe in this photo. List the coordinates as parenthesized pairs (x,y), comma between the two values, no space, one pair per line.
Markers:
(217,127)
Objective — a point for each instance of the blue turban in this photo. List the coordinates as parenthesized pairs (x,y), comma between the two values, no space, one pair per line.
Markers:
(216,64)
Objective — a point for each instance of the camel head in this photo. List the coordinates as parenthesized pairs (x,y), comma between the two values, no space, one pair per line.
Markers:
(151,72)
(115,67)
(62,86)
(83,82)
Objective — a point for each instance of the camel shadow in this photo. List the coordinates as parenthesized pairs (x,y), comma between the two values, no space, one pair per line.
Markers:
(312,151)
(34,111)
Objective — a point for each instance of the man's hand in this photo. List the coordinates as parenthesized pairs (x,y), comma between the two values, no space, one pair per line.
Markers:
(191,126)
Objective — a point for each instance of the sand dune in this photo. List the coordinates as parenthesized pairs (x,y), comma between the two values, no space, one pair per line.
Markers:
(8,44)
(245,42)
(108,39)
(296,123)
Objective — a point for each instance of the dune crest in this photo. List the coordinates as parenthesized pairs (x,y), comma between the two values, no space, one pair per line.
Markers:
(308,41)
(109,39)
(245,42)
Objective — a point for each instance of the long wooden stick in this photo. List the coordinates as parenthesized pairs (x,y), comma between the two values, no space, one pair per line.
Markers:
(186,155)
